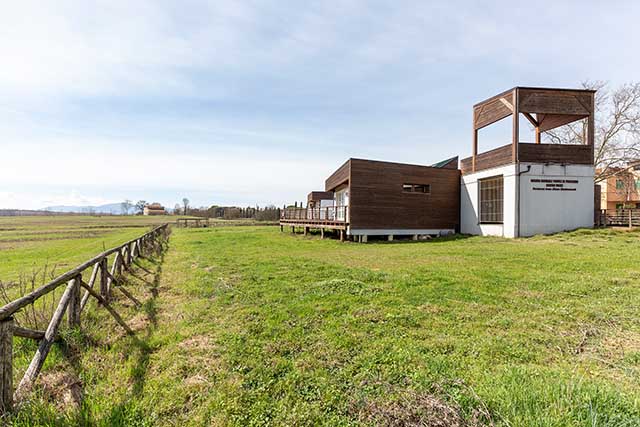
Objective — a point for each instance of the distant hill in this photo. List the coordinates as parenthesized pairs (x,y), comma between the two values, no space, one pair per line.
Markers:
(111,208)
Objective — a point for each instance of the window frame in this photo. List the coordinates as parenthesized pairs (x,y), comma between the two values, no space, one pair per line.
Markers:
(409,188)
(499,200)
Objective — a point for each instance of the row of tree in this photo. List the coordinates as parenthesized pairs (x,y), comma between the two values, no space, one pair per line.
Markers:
(267,213)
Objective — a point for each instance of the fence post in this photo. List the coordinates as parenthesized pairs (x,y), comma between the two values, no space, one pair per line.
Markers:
(104,279)
(73,312)
(6,368)
(630,219)
(129,255)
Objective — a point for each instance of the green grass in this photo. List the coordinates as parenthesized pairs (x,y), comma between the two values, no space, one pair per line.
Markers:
(248,326)
(27,244)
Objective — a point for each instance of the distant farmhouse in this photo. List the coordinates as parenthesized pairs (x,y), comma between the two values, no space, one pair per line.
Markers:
(154,209)
(519,189)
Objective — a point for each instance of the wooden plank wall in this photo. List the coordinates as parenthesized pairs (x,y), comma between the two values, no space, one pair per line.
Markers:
(555,153)
(554,101)
(340,176)
(378,202)
(315,196)
(489,159)
(492,110)
(535,153)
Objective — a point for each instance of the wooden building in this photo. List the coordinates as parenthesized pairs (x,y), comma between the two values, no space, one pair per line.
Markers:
(518,189)
(372,198)
(526,188)
(154,209)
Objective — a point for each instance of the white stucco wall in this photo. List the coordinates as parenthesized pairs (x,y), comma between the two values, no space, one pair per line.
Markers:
(568,207)
(559,198)
(469,223)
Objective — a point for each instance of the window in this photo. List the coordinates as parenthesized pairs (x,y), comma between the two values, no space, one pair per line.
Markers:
(491,200)
(619,184)
(417,188)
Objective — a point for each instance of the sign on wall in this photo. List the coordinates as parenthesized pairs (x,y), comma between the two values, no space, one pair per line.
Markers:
(554,184)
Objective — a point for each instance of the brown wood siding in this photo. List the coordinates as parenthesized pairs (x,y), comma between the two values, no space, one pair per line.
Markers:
(315,196)
(489,159)
(339,177)
(492,111)
(555,153)
(378,202)
(550,101)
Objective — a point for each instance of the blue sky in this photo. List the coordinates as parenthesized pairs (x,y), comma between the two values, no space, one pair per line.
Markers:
(256,102)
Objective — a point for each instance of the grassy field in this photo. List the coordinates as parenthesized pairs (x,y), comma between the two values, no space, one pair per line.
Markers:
(248,326)
(27,244)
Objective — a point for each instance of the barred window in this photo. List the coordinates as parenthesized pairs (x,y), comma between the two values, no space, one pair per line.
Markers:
(491,200)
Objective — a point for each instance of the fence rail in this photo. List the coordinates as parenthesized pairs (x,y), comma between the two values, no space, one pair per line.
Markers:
(618,217)
(70,303)
(317,214)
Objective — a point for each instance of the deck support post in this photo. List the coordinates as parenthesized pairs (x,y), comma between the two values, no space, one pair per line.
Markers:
(281,228)
(6,365)
(342,235)
(306,231)
(364,238)
(322,233)
(414,237)
(293,229)
(390,237)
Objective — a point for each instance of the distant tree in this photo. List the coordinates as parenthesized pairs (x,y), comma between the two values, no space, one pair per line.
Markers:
(176,209)
(125,207)
(185,203)
(140,204)
(617,129)
(232,213)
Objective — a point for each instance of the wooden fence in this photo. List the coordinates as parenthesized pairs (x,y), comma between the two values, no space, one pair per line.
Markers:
(72,303)
(618,217)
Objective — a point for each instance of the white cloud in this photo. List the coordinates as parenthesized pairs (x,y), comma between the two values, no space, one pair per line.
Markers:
(261,99)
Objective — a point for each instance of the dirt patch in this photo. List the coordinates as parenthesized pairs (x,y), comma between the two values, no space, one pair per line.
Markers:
(419,410)
(61,388)
(139,322)
(196,380)
(199,342)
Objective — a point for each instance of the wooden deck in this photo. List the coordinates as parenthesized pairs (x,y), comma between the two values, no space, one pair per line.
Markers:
(334,217)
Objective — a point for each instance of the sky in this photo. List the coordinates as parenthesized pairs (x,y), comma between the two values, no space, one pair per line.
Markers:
(257,102)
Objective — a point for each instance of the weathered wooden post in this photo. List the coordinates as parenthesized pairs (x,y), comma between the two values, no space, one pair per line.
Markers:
(630,219)
(6,369)
(73,312)
(129,255)
(104,279)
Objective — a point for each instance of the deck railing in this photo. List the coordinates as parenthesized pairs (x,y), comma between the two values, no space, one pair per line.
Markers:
(316,215)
